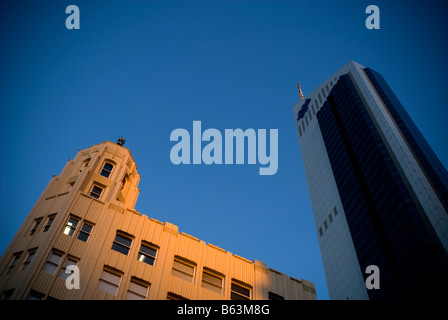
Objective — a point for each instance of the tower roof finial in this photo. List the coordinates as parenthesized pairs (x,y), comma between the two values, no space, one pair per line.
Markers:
(300,91)
(121,141)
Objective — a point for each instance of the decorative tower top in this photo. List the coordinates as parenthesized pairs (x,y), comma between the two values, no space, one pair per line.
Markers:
(300,91)
(121,141)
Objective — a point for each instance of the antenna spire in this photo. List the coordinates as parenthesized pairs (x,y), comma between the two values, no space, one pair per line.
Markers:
(300,91)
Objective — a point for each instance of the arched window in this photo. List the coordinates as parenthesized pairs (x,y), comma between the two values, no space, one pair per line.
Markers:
(107,169)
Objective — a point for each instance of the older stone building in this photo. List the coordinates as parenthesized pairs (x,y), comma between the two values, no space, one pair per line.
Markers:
(83,239)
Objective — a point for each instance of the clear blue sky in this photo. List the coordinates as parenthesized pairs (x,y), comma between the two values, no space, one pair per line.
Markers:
(141,69)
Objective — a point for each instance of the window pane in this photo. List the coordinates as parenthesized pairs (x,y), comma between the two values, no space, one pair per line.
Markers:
(235,296)
(72,222)
(133,296)
(83,236)
(69,230)
(55,258)
(96,192)
(122,240)
(105,173)
(211,287)
(107,287)
(30,256)
(70,262)
(108,166)
(120,248)
(138,288)
(148,251)
(110,277)
(87,228)
(241,290)
(50,267)
(146,259)
(182,275)
(183,267)
(212,279)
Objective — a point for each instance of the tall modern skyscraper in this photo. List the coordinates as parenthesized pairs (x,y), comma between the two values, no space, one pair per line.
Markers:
(379,193)
(85,220)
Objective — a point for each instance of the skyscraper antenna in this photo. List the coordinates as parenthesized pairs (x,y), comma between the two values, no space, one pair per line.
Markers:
(300,91)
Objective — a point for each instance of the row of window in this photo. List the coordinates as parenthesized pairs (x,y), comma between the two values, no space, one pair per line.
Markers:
(139,289)
(182,268)
(38,221)
(325,224)
(314,108)
(16,258)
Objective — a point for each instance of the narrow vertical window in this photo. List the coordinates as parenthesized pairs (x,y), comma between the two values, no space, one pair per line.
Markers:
(212,281)
(96,192)
(70,227)
(138,290)
(69,261)
(122,243)
(109,281)
(49,222)
(183,270)
(85,231)
(34,295)
(147,254)
(28,259)
(53,262)
(14,260)
(35,226)
(239,291)
(107,169)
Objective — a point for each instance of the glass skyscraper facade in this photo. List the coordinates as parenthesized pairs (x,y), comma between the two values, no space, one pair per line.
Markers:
(379,193)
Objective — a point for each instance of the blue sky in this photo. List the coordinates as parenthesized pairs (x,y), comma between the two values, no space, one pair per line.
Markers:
(141,69)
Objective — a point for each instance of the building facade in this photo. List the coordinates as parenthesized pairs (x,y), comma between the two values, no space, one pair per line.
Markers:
(83,239)
(379,193)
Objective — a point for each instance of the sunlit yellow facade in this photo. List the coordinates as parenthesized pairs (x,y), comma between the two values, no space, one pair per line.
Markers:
(83,239)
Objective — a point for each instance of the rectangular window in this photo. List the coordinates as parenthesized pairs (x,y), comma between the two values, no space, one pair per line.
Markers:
(109,282)
(53,262)
(35,226)
(173,296)
(85,231)
(212,281)
(49,222)
(147,254)
(96,192)
(28,259)
(70,227)
(69,261)
(107,169)
(321,233)
(183,270)
(122,243)
(34,295)
(274,296)
(335,211)
(14,260)
(138,290)
(330,218)
(239,292)
(325,225)
(7,294)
